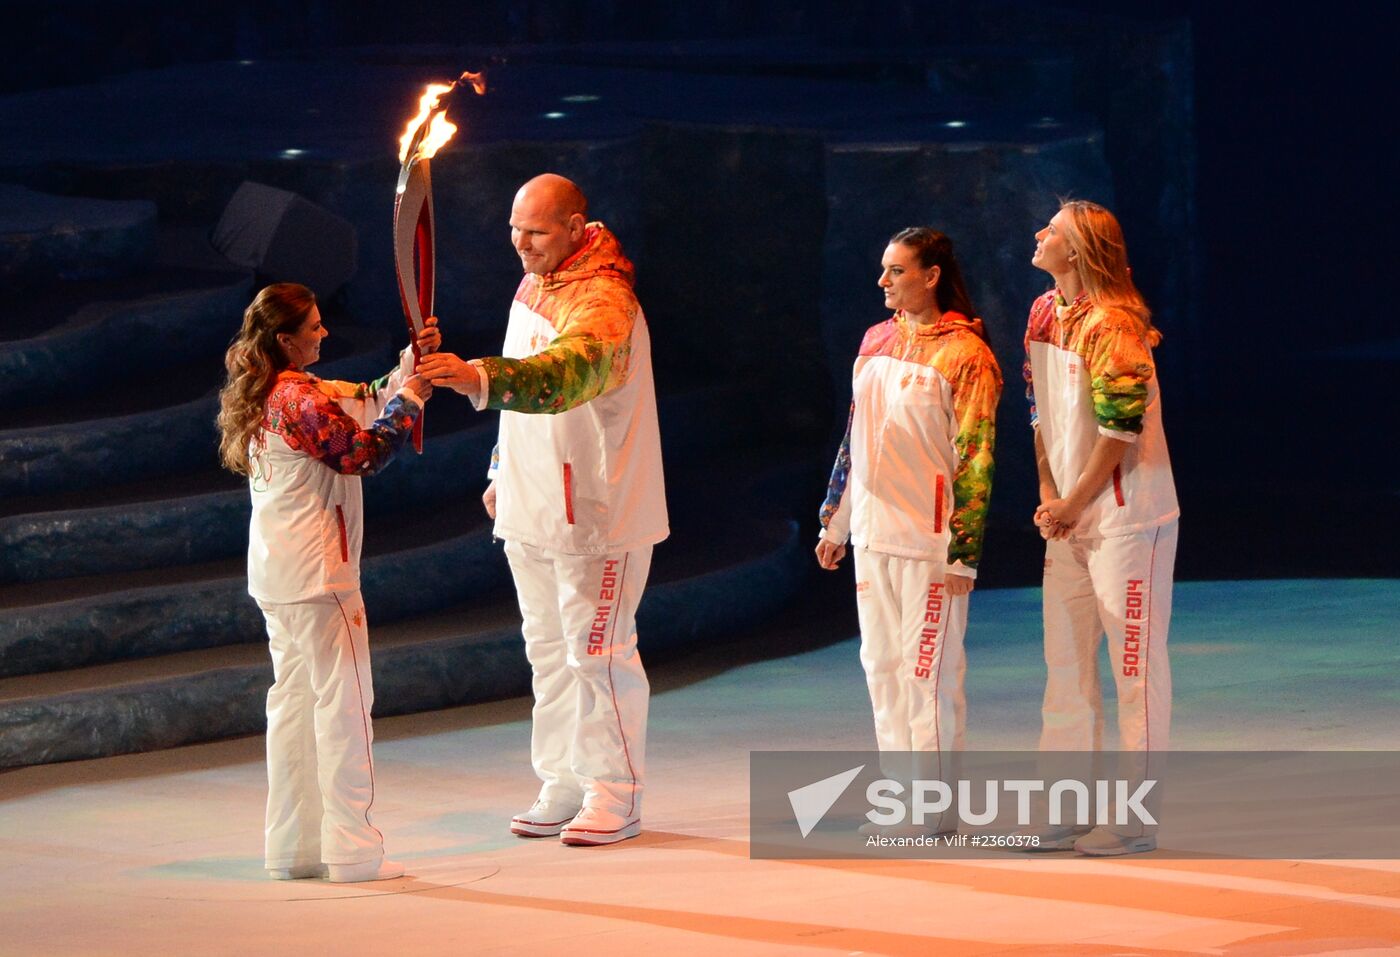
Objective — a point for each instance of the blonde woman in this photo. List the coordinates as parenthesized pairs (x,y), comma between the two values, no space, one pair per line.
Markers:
(304,443)
(1108,508)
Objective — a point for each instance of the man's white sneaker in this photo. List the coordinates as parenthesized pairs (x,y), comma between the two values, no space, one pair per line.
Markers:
(297,873)
(1105,842)
(544,819)
(380,870)
(594,826)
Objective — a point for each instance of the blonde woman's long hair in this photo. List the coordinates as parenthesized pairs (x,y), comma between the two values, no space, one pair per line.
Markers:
(253,360)
(1101,260)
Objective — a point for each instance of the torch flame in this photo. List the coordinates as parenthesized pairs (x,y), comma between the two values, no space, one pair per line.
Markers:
(477,80)
(439,130)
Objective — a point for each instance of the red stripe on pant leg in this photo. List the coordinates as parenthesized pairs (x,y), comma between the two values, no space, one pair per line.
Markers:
(938,672)
(364,717)
(1147,649)
(612,691)
(1146,674)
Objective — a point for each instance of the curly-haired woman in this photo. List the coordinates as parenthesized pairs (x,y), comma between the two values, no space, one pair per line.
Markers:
(304,442)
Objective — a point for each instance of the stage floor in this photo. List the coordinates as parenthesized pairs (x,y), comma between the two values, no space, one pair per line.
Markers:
(160,853)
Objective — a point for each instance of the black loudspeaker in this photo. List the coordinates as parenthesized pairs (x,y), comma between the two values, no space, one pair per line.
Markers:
(287,238)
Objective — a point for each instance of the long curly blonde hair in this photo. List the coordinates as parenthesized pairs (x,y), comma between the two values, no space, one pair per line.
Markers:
(1102,262)
(253,360)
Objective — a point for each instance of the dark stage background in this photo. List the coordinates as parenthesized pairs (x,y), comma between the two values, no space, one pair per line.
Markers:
(1278,364)
(1244,148)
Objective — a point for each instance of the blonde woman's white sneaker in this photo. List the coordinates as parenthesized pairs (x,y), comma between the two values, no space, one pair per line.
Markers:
(1105,842)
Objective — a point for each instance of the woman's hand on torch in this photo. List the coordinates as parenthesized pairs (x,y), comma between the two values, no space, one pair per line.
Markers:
(419,386)
(430,339)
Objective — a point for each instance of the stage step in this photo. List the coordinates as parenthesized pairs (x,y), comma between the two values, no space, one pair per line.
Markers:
(185,613)
(168,439)
(108,342)
(434,661)
(427,526)
(202,528)
(141,530)
(44,238)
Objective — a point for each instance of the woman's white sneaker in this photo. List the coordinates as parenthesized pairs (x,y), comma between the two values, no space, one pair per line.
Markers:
(380,870)
(304,872)
(1048,837)
(1105,842)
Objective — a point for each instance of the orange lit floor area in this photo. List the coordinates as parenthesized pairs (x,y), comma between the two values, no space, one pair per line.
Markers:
(160,853)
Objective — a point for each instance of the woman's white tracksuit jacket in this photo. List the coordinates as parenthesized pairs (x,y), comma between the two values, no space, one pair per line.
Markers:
(910,488)
(318,438)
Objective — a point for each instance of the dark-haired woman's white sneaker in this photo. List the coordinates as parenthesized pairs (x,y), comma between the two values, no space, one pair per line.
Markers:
(380,870)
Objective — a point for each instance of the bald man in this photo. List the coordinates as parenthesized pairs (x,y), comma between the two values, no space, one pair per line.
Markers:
(578,497)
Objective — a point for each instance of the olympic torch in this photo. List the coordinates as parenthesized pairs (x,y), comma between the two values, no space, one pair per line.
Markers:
(425,134)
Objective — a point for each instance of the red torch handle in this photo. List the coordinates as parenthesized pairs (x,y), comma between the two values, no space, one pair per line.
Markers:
(423,269)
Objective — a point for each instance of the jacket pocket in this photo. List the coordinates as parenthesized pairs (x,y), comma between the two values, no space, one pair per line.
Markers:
(344,537)
(938,505)
(1118,485)
(569,493)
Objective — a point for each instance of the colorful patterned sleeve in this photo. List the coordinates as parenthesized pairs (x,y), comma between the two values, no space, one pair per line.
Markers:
(976,383)
(362,391)
(372,390)
(589,357)
(1119,361)
(312,422)
(833,516)
(362,401)
(1030,387)
(1038,328)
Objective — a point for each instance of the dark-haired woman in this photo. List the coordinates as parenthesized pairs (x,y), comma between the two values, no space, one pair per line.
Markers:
(304,442)
(910,490)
